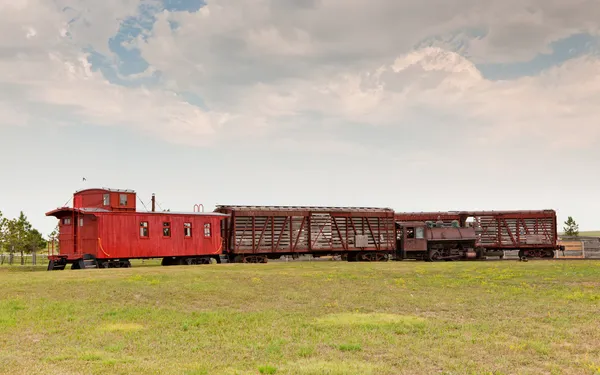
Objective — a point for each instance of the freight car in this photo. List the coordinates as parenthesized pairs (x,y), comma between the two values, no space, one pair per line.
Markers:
(104,229)
(532,233)
(257,233)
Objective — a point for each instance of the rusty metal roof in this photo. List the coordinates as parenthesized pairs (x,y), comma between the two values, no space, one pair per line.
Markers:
(303,208)
(477,213)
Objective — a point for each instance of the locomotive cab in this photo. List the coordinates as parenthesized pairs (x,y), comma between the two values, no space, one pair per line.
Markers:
(411,240)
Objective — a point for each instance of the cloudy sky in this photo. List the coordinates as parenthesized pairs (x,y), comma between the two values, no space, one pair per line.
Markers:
(418,106)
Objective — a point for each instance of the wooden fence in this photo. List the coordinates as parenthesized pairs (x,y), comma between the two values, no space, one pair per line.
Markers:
(15,259)
(580,248)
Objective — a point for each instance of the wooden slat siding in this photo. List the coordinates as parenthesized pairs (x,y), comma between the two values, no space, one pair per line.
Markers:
(274,232)
(504,231)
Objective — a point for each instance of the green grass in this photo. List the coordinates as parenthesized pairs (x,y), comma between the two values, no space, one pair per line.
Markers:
(591,233)
(537,317)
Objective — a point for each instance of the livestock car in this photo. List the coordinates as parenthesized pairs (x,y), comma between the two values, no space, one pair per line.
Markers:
(533,233)
(257,233)
(104,229)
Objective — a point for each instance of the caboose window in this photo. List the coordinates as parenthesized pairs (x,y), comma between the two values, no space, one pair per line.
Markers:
(167,229)
(420,232)
(123,199)
(410,232)
(67,221)
(207,230)
(187,229)
(106,200)
(144,229)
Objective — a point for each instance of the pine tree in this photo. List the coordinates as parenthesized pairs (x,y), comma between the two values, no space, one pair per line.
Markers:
(571,227)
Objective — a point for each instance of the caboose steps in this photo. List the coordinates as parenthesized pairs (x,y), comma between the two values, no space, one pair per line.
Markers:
(57,265)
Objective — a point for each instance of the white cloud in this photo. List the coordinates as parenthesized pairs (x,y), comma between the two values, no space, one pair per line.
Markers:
(258,65)
(76,94)
(45,76)
(352,61)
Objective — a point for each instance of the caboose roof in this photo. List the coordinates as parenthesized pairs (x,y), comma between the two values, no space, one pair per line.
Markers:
(106,189)
(92,210)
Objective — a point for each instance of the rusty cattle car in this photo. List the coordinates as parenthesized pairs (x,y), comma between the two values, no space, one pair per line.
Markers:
(104,229)
(257,233)
(532,233)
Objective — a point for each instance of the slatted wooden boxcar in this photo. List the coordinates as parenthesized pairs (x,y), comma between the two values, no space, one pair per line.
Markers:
(532,232)
(104,229)
(257,233)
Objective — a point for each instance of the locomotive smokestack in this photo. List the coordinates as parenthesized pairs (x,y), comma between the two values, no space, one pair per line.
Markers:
(153,202)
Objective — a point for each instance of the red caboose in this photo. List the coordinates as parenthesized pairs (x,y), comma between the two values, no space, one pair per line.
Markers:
(104,229)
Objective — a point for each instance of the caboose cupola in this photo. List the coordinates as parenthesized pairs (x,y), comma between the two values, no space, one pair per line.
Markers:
(106,199)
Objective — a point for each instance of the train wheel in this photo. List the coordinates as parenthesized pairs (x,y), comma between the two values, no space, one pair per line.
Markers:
(372,257)
(523,255)
(433,255)
(253,259)
(549,254)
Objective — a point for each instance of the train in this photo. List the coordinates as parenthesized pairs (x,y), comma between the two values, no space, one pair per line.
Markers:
(104,229)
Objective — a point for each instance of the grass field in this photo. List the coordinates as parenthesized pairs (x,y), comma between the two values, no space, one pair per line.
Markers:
(537,317)
(591,233)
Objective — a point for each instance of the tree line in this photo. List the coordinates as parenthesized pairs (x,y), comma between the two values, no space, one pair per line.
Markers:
(17,235)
